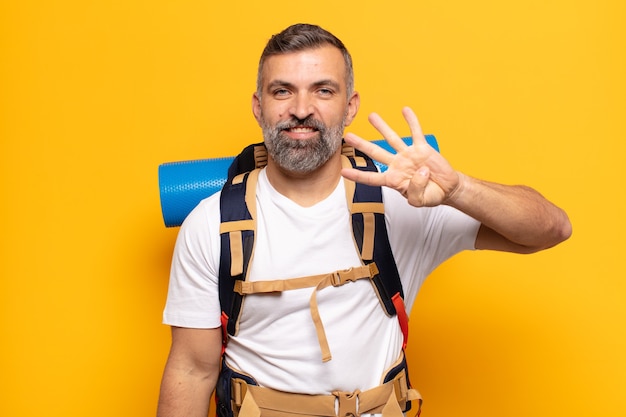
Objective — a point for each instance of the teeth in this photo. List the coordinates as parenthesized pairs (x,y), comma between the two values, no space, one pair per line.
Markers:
(302,129)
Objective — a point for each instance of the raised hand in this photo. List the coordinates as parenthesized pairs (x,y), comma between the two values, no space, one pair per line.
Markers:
(418,171)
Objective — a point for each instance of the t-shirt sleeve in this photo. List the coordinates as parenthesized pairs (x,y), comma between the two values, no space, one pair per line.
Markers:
(193,295)
(423,238)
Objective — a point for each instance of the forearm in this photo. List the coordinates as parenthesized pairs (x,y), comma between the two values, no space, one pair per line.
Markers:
(519,214)
(185,393)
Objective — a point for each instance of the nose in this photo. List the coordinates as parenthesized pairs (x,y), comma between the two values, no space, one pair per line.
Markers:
(302,107)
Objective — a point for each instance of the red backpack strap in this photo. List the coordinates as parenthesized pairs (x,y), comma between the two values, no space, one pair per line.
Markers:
(403,318)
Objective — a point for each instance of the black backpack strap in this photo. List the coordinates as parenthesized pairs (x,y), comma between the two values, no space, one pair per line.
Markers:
(370,235)
(237,228)
(372,241)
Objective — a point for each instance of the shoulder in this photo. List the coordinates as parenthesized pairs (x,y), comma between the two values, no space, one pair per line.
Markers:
(204,213)
(199,234)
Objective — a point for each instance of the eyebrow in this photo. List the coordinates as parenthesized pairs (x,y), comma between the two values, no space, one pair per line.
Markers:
(329,83)
(279,83)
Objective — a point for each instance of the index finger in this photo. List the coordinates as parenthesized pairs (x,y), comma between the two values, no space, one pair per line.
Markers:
(368,148)
(364,177)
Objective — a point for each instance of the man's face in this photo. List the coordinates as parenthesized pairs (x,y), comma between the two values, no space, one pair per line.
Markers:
(303,107)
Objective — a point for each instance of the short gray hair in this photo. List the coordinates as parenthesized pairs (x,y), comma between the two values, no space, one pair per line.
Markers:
(300,37)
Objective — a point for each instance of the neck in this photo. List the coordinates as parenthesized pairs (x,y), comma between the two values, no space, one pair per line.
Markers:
(306,189)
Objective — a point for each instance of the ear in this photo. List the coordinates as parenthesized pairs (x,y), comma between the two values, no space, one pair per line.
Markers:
(256,107)
(353,107)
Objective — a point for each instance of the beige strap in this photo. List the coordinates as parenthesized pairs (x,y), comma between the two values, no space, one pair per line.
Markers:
(347,150)
(237,225)
(236,253)
(251,192)
(360,161)
(274,402)
(249,407)
(319,282)
(280,285)
(388,399)
(335,279)
(260,156)
(368,208)
(369,227)
(369,271)
(392,408)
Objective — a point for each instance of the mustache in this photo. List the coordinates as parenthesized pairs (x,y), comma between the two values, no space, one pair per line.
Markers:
(309,121)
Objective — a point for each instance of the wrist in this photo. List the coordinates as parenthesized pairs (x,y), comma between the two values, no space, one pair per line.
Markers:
(455,195)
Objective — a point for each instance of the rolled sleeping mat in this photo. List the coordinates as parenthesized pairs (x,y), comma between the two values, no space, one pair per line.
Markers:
(182,185)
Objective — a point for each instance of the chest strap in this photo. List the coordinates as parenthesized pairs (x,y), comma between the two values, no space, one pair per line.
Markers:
(318,282)
(388,399)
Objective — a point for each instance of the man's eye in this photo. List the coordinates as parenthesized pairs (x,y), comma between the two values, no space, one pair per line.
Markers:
(281,92)
(325,91)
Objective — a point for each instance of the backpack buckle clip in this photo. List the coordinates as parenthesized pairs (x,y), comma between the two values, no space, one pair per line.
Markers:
(338,278)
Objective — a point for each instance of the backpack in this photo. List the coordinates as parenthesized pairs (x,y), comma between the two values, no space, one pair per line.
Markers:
(237,232)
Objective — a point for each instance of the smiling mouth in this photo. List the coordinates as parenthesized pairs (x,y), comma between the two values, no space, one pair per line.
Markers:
(302,129)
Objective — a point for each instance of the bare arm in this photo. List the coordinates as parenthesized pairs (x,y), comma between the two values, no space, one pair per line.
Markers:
(513,218)
(190,373)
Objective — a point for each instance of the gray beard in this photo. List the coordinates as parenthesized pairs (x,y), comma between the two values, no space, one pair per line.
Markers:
(301,156)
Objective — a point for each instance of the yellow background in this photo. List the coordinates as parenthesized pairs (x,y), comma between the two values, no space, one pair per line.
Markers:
(94,95)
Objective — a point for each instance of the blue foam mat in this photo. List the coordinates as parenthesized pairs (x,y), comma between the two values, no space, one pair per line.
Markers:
(184,184)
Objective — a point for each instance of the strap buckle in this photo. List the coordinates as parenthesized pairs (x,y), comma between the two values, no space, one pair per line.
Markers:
(335,279)
(338,278)
(348,403)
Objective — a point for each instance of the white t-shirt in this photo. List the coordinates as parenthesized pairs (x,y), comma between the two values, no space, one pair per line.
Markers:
(277,343)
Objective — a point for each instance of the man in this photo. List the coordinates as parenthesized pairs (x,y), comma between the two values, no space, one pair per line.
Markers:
(304,99)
